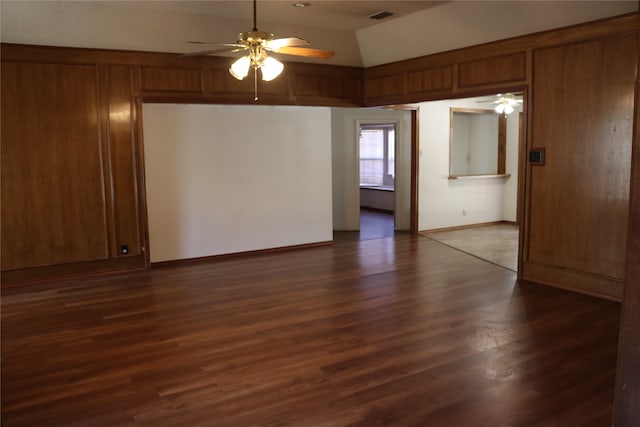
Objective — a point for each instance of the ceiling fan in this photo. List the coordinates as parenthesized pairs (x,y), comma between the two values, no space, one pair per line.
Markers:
(258,43)
(506,102)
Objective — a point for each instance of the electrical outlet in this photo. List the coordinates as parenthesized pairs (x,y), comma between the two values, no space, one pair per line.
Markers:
(124,249)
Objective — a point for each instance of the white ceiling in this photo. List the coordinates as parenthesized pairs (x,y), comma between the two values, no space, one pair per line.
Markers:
(417,28)
(327,14)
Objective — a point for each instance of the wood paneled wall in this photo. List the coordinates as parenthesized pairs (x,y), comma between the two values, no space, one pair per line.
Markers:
(42,157)
(581,81)
(70,198)
(627,397)
(489,68)
(72,172)
(578,201)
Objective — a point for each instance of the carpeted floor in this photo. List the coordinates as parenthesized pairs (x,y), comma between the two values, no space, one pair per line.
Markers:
(496,243)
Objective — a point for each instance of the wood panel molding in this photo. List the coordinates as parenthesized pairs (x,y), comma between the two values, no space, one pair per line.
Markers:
(509,68)
(627,395)
(380,87)
(186,80)
(165,77)
(481,69)
(431,80)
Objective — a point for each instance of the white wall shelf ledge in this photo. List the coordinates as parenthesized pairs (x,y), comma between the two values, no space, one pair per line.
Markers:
(500,175)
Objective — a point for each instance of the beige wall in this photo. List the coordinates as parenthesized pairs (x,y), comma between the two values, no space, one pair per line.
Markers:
(226,179)
(446,203)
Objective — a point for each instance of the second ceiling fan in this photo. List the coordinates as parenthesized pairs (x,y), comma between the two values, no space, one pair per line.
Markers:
(258,44)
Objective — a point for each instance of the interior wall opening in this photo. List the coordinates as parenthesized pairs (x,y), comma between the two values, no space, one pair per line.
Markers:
(376,143)
(470,156)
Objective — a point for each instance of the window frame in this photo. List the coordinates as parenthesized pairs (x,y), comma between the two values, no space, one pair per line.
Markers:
(386,127)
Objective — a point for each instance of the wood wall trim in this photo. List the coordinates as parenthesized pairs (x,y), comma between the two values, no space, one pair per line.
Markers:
(140,188)
(464,227)
(17,278)
(415,171)
(509,68)
(245,254)
(627,395)
(165,77)
(576,289)
(594,284)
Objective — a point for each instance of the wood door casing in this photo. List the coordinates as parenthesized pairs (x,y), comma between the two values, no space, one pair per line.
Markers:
(579,198)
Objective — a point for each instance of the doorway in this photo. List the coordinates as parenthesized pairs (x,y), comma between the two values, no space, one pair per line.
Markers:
(345,125)
(377,165)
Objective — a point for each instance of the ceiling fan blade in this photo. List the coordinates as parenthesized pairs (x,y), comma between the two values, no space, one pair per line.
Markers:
(210,52)
(289,41)
(305,51)
(218,44)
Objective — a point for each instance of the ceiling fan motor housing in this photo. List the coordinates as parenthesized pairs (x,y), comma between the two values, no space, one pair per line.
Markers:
(258,37)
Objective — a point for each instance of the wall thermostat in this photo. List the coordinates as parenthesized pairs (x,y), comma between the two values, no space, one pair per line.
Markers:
(536,156)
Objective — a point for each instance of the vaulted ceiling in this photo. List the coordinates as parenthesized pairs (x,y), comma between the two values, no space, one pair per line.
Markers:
(416,28)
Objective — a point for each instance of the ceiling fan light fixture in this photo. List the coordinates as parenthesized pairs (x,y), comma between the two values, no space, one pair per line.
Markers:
(258,44)
(240,68)
(500,108)
(271,68)
(508,109)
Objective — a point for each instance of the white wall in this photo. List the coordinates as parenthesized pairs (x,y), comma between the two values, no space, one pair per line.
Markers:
(446,203)
(345,164)
(377,199)
(226,179)
(510,195)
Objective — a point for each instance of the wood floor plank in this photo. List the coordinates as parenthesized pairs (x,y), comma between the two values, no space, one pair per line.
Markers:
(393,331)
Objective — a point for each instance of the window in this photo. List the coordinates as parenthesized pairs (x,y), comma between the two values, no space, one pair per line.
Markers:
(377,155)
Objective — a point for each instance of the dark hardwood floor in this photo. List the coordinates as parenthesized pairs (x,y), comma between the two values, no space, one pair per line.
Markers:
(394,331)
(375,224)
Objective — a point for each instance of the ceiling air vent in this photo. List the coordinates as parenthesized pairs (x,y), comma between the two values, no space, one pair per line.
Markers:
(380,15)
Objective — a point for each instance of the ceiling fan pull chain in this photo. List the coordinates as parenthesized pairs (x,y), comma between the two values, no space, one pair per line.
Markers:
(255,19)
(255,83)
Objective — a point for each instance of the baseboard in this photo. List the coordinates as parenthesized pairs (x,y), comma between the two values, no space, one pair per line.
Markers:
(385,211)
(244,254)
(571,289)
(54,273)
(462,227)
